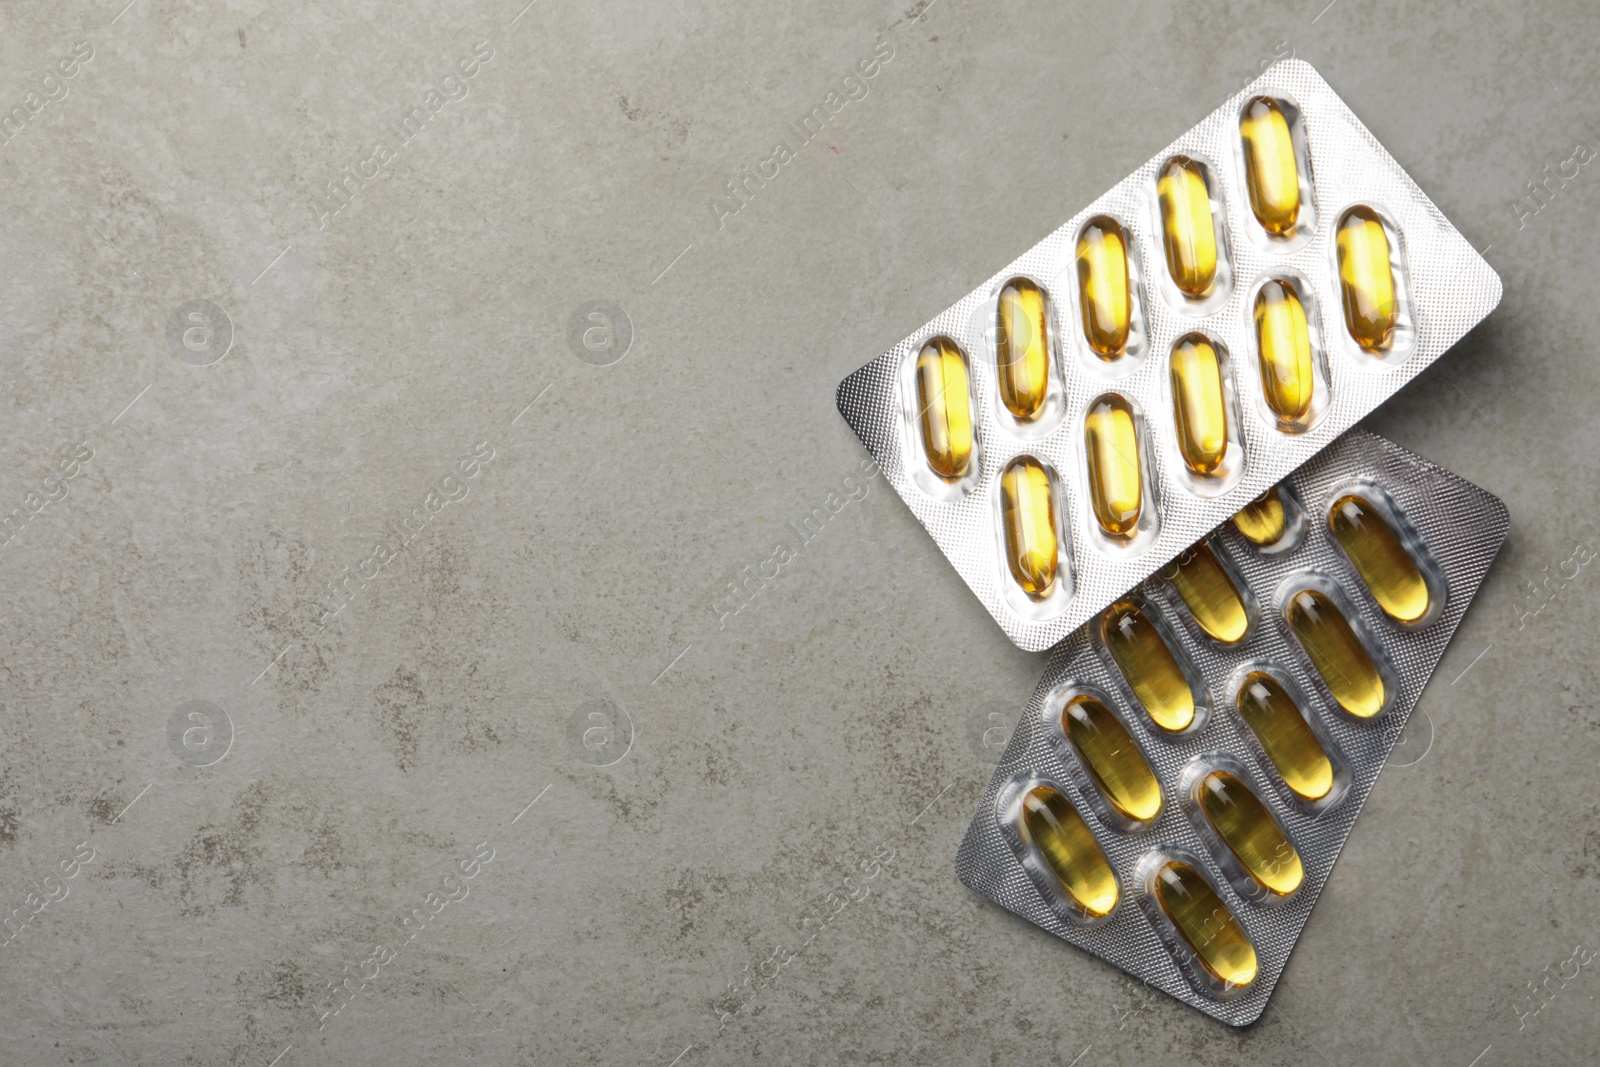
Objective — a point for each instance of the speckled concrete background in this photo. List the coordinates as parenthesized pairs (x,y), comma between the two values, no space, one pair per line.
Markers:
(432,493)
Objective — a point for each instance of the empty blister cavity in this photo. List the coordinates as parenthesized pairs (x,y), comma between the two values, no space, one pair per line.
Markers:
(1030,395)
(1276,167)
(1103,756)
(1330,633)
(1293,749)
(938,389)
(1119,488)
(1034,554)
(1155,666)
(1369,262)
(1194,237)
(1289,364)
(1205,419)
(1389,556)
(1273,522)
(1216,598)
(1057,847)
(1251,847)
(1207,938)
(1110,308)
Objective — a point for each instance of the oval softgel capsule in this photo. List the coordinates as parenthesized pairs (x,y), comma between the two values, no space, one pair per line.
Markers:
(1105,287)
(1028,518)
(1337,652)
(1052,827)
(1116,478)
(1022,349)
(1374,546)
(1285,736)
(1366,279)
(1271,169)
(1149,665)
(944,408)
(1112,759)
(1247,827)
(1283,350)
(1210,594)
(1199,404)
(1188,236)
(1219,941)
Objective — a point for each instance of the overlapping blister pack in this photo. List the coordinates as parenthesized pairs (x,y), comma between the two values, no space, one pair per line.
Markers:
(1189,767)
(1176,348)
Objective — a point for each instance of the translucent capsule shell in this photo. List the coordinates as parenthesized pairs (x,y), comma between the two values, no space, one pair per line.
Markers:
(1116,481)
(1149,665)
(1285,736)
(1374,547)
(1112,759)
(1028,517)
(1022,349)
(1105,289)
(1199,405)
(1366,279)
(1210,928)
(1251,833)
(944,408)
(1188,235)
(1271,169)
(1338,653)
(1265,519)
(1054,829)
(1211,596)
(1283,350)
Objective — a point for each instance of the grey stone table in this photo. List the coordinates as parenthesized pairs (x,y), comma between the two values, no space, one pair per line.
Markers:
(393,396)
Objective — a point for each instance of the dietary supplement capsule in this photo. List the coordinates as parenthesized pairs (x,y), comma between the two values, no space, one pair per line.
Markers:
(1022,349)
(1271,171)
(1384,564)
(944,407)
(1111,447)
(1337,653)
(1289,741)
(1053,827)
(1250,832)
(1199,408)
(1028,516)
(1113,760)
(1105,294)
(1187,233)
(1149,665)
(1283,347)
(1265,519)
(1210,595)
(1366,281)
(1219,942)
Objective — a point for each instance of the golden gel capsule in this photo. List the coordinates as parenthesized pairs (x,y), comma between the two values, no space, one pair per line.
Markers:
(1271,171)
(1219,942)
(1337,653)
(1028,515)
(1288,739)
(1111,446)
(1022,349)
(1148,664)
(1283,347)
(1264,520)
(1365,279)
(1105,295)
(1199,408)
(1113,760)
(1210,595)
(1374,547)
(1251,833)
(1064,841)
(945,408)
(1187,232)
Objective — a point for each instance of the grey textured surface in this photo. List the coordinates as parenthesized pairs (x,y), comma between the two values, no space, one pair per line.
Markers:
(838,719)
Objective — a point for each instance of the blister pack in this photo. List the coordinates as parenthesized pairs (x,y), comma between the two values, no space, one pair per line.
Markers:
(1190,765)
(1177,347)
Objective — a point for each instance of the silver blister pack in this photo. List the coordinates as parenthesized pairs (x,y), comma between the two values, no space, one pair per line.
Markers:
(1066,742)
(1182,444)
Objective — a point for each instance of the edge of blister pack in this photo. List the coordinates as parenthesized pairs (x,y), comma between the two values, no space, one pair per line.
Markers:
(1461,528)
(1446,289)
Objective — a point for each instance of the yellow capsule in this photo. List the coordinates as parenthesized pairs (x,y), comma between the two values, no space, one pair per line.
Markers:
(1373,546)
(1251,833)
(1199,408)
(1283,347)
(1210,595)
(1264,520)
(1111,446)
(1365,279)
(1028,516)
(1271,171)
(1218,939)
(1051,825)
(1105,295)
(1022,348)
(1148,664)
(1187,232)
(944,408)
(1113,760)
(1337,653)
(1288,739)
